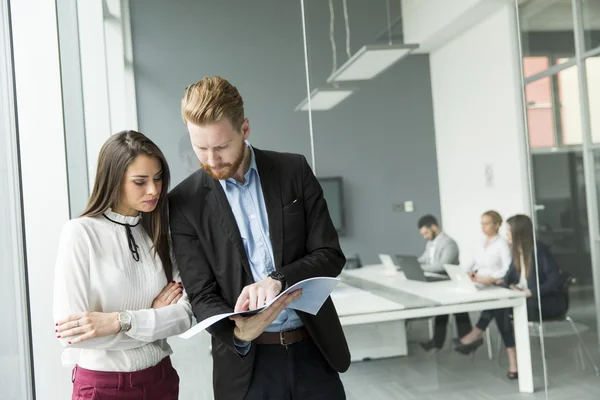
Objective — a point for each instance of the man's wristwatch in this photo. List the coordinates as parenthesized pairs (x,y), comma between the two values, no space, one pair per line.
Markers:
(125,321)
(278,276)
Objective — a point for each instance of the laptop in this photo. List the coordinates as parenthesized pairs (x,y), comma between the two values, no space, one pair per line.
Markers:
(412,269)
(461,278)
(387,261)
(389,267)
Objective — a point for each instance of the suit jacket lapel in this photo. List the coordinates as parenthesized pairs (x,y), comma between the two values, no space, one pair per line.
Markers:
(269,181)
(217,200)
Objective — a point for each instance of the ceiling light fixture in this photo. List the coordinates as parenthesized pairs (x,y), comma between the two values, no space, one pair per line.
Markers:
(372,60)
(322,99)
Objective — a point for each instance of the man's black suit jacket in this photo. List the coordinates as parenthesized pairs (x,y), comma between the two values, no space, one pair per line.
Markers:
(214,266)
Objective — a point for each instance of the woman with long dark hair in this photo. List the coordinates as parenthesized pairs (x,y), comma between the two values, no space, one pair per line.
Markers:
(118,294)
(522,275)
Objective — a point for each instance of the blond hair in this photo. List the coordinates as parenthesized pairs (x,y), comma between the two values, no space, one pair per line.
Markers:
(210,100)
(496,218)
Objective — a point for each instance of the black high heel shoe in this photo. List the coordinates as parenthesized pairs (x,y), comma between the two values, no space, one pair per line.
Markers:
(469,348)
(512,375)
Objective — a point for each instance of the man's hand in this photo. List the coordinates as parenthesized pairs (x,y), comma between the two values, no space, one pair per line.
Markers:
(249,328)
(258,294)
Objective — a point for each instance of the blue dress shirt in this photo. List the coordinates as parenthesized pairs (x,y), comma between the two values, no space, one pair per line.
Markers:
(248,205)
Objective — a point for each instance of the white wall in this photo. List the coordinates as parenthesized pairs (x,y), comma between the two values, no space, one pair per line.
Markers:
(478,121)
(44,177)
(422,19)
(431,23)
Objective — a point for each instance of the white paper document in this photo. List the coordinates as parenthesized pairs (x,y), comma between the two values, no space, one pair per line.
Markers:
(314,293)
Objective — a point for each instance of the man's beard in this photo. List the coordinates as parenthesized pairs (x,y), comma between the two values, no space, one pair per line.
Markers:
(229,169)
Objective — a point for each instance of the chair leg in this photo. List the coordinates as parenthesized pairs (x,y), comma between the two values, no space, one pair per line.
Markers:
(488,342)
(585,348)
(580,356)
(450,331)
(499,349)
(431,328)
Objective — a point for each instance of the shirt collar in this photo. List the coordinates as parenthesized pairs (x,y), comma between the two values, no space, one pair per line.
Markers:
(491,242)
(122,219)
(252,160)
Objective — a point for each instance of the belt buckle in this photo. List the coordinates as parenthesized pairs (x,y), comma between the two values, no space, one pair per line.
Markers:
(282,339)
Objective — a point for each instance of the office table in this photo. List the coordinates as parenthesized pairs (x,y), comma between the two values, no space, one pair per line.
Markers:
(373,304)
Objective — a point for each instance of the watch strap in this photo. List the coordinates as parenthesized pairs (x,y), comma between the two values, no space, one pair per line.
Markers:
(278,276)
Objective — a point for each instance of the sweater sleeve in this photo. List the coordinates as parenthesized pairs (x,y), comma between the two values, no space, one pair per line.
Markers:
(505,261)
(71,288)
(160,323)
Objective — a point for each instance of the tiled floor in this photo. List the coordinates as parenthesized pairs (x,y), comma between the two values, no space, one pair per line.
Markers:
(447,375)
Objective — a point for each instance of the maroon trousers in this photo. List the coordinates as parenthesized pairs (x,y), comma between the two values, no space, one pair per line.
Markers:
(160,382)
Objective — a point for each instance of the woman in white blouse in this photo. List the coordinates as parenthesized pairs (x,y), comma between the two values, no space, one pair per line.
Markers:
(117,294)
(493,255)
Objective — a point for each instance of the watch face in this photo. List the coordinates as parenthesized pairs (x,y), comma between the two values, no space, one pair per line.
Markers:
(277,276)
(124,317)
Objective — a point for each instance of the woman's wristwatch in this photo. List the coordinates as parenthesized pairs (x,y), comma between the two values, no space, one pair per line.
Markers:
(125,321)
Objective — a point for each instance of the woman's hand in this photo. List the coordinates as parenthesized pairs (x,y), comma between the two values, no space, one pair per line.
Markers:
(169,295)
(526,291)
(89,324)
(484,280)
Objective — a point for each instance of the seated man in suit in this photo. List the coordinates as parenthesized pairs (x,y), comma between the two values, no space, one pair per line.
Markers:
(246,226)
(440,249)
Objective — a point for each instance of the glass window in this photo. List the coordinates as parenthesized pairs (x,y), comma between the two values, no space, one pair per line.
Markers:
(570,108)
(15,374)
(538,94)
(546,28)
(591,23)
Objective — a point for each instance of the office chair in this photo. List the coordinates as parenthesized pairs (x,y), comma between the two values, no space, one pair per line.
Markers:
(353,262)
(545,327)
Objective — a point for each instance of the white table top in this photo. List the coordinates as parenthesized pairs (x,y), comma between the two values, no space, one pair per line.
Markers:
(427,299)
(349,300)
(442,292)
